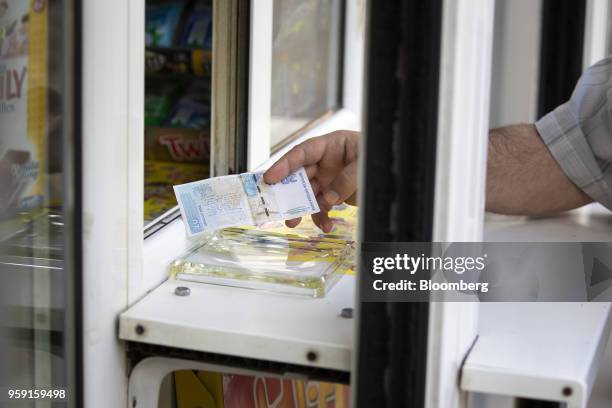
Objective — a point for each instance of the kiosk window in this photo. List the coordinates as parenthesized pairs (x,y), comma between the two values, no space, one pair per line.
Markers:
(178,58)
(306,65)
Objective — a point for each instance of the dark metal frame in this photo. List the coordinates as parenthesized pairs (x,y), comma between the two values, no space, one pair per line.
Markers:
(403,67)
(137,352)
(529,403)
(73,142)
(242,86)
(561,51)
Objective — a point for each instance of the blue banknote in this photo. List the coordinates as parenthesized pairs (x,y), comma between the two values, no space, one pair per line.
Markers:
(244,199)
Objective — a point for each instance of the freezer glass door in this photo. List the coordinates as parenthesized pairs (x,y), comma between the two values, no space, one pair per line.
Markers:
(39,204)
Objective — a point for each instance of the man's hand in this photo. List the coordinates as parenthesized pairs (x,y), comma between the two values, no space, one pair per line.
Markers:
(331,164)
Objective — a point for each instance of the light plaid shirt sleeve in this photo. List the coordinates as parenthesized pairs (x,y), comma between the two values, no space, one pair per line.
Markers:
(579,133)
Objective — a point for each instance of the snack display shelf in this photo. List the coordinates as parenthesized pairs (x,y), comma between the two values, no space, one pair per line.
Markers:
(178,60)
(252,324)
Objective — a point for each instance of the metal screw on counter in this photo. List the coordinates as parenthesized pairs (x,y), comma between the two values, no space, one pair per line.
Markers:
(140,329)
(182,291)
(312,356)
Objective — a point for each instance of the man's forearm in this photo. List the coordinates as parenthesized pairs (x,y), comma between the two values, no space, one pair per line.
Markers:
(524,178)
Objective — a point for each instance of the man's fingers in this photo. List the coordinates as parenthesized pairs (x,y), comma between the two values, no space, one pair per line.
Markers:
(314,184)
(322,204)
(305,154)
(331,197)
(311,171)
(294,222)
(321,220)
(342,187)
(352,200)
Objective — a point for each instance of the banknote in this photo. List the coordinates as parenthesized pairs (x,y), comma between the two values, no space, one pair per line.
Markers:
(243,199)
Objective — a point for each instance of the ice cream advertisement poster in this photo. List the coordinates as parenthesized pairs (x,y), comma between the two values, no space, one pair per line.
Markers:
(23,104)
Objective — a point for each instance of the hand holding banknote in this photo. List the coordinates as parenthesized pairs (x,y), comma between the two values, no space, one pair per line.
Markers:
(330,162)
(308,180)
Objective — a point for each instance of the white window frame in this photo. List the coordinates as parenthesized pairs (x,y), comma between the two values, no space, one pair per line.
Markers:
(162,247)
(119,266)
(514,101)
(113,183)
(516,62)
(260,81)
(463,119)
(595,32)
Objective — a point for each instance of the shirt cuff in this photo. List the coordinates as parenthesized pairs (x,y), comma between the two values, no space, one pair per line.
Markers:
(561,133)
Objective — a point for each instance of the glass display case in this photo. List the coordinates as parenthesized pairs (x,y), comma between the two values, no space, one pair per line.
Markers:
(306,65)
(39,260)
